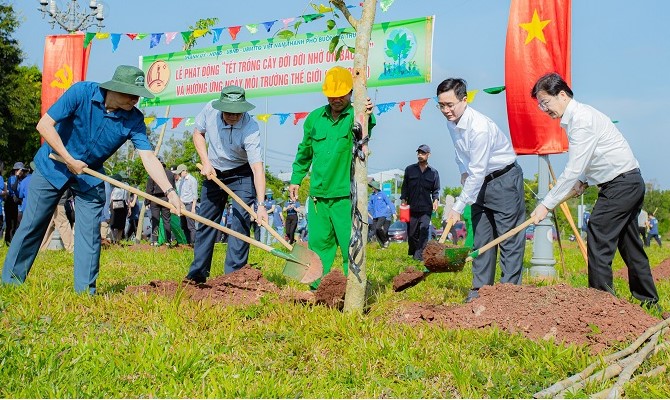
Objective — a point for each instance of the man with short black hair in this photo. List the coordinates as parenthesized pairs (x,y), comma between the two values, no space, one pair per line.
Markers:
(421,190)
(85,126)
(492,183)
(599,155)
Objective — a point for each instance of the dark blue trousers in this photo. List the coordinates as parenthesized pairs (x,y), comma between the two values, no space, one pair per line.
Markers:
(212,203)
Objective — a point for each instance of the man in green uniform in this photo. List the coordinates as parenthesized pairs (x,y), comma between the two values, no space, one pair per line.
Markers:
(327,147)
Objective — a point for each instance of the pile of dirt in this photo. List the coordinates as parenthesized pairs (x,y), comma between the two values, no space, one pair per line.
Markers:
(560,313)
(436,258)
(407,278)
(247,286)
(659,272)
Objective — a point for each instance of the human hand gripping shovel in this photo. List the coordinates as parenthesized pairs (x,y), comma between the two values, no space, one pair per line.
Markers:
(299,259)
(311,265)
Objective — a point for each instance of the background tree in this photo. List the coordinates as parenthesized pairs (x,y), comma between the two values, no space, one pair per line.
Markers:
(20,91)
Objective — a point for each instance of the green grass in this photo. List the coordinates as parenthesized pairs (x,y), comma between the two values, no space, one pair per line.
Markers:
(54,343)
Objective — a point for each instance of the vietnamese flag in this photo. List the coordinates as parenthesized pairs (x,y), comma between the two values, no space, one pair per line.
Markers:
(538,42)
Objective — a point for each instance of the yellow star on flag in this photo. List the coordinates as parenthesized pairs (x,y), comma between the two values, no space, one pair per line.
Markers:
(534,28)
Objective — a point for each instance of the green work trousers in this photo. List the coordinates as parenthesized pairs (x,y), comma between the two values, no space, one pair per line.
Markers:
(329,227)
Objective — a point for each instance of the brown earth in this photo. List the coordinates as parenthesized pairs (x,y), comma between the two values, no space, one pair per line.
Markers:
(441,257)
(407,278)
(659,272)
(247,286)
(560,313)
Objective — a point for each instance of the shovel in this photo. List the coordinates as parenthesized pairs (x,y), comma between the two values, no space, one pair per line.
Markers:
(292,270)
(440,258)
(300,263)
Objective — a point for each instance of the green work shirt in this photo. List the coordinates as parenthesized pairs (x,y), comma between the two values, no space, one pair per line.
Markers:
(327,147)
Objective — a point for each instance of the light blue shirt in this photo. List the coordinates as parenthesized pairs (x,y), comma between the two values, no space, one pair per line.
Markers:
(229,146)
(187,189)
(89,133)
(23,192)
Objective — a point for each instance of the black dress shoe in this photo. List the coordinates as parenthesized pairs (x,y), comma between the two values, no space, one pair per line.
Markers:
(193,281)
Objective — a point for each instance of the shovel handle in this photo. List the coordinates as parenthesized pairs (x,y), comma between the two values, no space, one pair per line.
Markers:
(495,242)
(164,203)
(445,233)
(250,210)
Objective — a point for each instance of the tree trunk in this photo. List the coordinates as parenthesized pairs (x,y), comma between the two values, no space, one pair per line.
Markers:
(354,300)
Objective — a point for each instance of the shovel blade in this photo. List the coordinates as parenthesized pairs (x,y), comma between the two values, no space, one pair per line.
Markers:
(304,265)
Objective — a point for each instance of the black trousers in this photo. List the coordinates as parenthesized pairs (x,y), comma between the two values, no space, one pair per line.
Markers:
(11,218)
(380,226)
(157,212)
(613,225)
(291,225)
(417,234)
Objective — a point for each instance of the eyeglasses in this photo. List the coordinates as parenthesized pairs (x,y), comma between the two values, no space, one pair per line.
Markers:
(544,105)
(441,106)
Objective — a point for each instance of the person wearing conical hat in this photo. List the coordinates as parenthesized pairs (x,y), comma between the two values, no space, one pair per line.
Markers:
(85,126)
(228,142)
(326,148)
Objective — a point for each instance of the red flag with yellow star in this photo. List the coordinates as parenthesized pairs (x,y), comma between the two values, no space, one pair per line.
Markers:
(538,42)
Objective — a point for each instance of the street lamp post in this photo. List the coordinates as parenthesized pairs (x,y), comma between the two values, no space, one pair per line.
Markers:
(72,18)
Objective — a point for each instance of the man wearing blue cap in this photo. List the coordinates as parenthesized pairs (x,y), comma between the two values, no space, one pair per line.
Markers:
(85,126)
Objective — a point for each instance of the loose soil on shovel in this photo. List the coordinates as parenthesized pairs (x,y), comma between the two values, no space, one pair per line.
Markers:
(560,313)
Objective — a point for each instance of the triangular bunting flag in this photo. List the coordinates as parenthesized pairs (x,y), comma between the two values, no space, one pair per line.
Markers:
(149,120)
(186,36)
(287,21)
(471,95)
(263,117)
(131,35)
(233,31)
(252,28)
(169,36)
(312,17)
(385,4)
(101,35)
(494,90)
(141,36)
(160,122)
(268,25)
(384,107)
(199,32)
(217,34)
(115,38)
(299,116)
(401,105)
(176,121)
(283,118)
(155,39)
(417,106)
(189,121)
(87,39)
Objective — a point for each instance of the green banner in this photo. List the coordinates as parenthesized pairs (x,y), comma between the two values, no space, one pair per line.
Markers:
(400,54)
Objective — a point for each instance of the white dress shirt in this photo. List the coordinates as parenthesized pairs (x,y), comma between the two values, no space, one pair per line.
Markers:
(481,148)
(187,189)
(598,152)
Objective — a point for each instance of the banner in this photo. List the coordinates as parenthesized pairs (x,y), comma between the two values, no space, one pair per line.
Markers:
(538,42)
(65,62)
(400,53)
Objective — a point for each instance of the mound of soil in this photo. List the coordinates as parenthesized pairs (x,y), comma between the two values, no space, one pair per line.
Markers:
(659,272)
(560,313)
(242,287)
(332,289)
(407,278)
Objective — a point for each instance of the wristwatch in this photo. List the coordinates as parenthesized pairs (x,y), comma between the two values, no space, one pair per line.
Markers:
(169,190)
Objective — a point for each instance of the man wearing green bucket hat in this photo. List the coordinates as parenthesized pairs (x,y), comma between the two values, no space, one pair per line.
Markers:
(228,142)
(85,126)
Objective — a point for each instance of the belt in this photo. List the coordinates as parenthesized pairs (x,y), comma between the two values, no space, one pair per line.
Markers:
(498,173)
(621,175)
(244,170)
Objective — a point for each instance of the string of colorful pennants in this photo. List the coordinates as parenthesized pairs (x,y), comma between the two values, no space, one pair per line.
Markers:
(416,106)
(167,37)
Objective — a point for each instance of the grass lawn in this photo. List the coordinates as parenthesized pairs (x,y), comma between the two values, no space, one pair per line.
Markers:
(54,343)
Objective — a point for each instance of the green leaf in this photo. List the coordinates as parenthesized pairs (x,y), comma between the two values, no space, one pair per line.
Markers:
(330,24)
(285,34)
(333,43)
(297,25)
(352,50)
(339,52)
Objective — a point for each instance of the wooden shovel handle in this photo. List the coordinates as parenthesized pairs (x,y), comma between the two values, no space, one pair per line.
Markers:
(250,210)
(505,236)
(447,228)
(164,203)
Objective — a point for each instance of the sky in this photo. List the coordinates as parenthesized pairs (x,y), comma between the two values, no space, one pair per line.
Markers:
(620,65)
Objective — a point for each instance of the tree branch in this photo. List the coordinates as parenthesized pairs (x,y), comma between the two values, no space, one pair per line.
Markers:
(340,5)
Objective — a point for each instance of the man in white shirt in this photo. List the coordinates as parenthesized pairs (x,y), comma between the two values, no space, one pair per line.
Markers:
(187,187)
(492,183)
(599,155)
